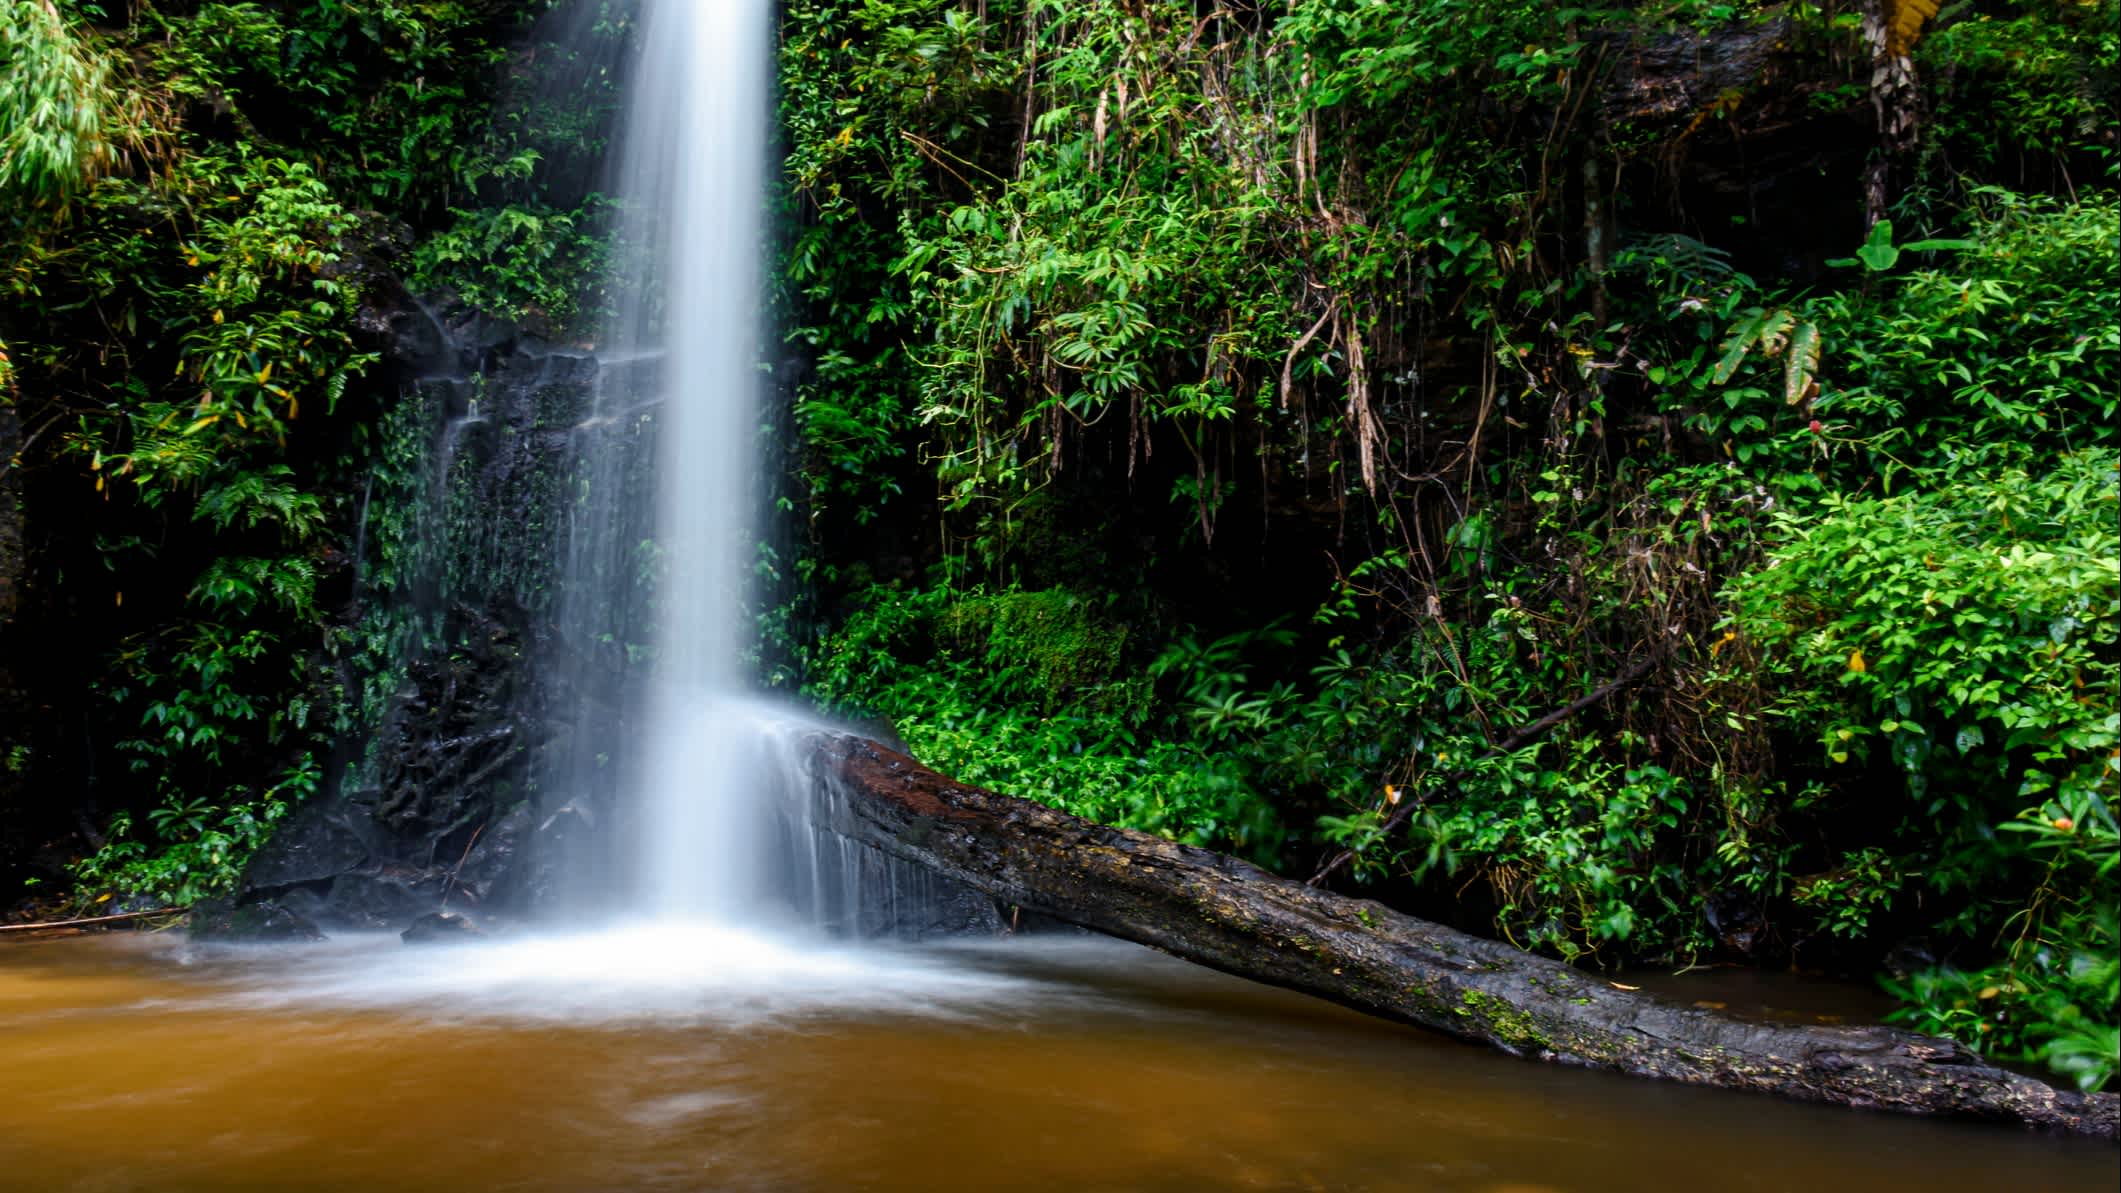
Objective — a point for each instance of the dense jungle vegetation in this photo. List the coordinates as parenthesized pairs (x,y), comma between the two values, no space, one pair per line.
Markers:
(1638,480)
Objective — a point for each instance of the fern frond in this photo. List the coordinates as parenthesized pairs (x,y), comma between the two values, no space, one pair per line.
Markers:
(1688,257)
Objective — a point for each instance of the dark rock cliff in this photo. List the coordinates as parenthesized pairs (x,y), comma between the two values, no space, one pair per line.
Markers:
(437,803)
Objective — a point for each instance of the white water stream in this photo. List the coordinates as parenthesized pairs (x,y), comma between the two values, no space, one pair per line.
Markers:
(722,849)
(694,151)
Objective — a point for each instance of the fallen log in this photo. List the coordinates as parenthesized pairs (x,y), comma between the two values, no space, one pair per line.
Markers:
(1232,916)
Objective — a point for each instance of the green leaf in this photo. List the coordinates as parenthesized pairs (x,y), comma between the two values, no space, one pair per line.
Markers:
(1878,253)
(1733,356)
(1801,365)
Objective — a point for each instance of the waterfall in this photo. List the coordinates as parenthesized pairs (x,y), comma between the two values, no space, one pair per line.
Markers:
(550,666)
(721,801)
(698,788)
(694,143)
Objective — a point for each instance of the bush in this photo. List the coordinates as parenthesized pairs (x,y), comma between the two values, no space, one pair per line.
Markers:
(1966,638)
(1027,692)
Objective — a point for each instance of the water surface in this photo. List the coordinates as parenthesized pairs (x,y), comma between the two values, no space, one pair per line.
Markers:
(695,1059)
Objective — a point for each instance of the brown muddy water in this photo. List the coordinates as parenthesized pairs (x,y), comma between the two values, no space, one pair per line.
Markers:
(669,1061)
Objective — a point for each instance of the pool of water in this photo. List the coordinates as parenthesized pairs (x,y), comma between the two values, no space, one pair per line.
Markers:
(688,1059)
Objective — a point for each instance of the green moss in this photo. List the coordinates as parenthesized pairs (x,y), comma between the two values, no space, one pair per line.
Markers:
(1053,638)
(1509,1024)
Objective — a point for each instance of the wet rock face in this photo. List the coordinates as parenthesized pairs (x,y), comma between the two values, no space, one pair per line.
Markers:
(1669,79)
(439,805)
(450,818)
(440,927)
(1737,920)
(264,920)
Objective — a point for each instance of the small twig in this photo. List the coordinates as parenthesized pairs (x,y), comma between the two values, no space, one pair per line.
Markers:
(1634,672)
(9,465)
(94,919)
(451,881)
(936,153)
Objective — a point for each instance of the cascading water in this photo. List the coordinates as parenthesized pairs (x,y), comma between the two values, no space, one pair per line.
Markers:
(717,798)
(694,148)
(655,536)
(715,795)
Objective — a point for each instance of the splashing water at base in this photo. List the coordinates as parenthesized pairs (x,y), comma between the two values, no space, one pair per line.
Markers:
(663,972)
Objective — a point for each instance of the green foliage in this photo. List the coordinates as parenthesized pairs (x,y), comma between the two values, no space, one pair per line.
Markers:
(1580,843)
(1336,263)
(1966,638)
(193,213)
(1959,632)
(1879,254)
(1102,262)
(1578,853)
(517,261)
(2021,77)
(199,845)
(1023,692)
(1966,634)
(1990,349)
(526,237)
(248,321)
(2052,1003)
(380,90)
(197,691)
(254,323)
(1054,650)
(55,105)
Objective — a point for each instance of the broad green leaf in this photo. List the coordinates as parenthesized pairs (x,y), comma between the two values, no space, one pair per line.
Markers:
(1878,253)
(1801,364)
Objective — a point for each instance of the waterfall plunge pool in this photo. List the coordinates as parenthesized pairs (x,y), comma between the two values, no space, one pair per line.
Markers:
(688,1058)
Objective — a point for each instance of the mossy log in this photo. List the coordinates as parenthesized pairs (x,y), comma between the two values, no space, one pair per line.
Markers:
(1230,915)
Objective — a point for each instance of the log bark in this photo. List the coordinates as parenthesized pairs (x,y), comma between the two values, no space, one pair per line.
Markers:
(1232,916)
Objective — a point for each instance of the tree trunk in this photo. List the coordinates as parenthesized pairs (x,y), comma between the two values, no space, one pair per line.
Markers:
(1233,916)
